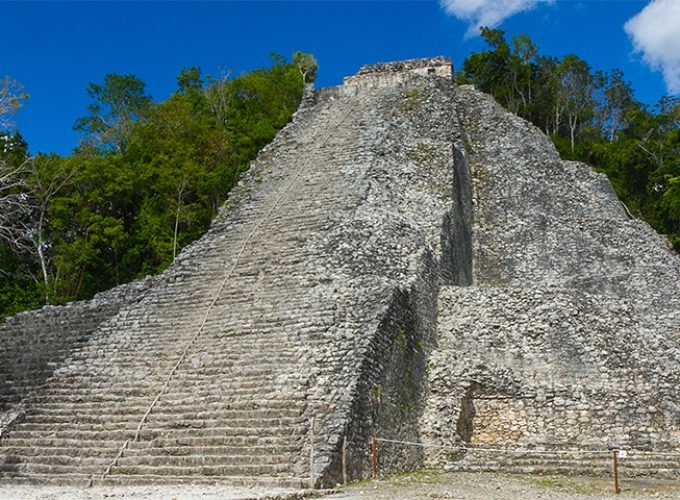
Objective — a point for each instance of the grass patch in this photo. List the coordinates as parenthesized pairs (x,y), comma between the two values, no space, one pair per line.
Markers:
(564,484)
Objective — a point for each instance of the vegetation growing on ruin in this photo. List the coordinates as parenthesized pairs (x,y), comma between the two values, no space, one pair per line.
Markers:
(592,116)
(145,181)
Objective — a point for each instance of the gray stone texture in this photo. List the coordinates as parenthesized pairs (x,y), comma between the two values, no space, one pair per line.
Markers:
(33,344)
(568,337)
(404,260)
(312,299)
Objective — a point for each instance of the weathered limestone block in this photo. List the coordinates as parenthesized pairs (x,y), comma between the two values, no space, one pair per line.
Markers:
(396,73)
(568,336)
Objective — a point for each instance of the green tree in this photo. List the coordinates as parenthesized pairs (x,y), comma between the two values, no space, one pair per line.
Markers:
(116,105)
(489,70)
(615,102)
(306,65)
(177,148)
(47,177)
(12,97)
(521,69)
(219,95)
(577,93)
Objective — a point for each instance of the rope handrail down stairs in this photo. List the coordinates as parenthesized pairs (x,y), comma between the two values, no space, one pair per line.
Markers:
(284,191)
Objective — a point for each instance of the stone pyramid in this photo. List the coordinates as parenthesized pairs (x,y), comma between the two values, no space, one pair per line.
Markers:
(405,260)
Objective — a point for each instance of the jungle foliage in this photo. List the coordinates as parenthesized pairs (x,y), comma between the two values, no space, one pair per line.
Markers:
(145,181)
(591,116)
(148,177)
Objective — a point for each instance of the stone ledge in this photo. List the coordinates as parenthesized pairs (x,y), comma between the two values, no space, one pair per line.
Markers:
(384,74)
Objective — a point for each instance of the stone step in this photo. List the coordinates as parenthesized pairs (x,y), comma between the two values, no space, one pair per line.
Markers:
(593,470)
(178,390)
(73,451)
(157,440)
(267,388)
(197,364)
(217,433)
(167,420)
(265,338)
(201,460)
(169,441)
(572,457)
(181,395)
(607,460)
(152,429)
(172,422)
(182,466)
(140,459)
(198,470)
(70,434)
(631,465)
(45,399)
(58,460)
(212,450)
(36,468)
(12,477)
(42,428)
(208,378)
(160,411)
(12,442)
(282,481)
(181,406)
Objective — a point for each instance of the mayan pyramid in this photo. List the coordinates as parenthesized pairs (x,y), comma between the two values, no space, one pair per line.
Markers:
(405,260)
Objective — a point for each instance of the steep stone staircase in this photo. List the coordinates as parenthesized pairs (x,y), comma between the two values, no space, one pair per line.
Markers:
(234,330)
(243,362)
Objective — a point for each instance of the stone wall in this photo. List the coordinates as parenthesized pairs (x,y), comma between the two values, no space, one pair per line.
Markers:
(386,74)
(35,344)
(568,336)
(552,367)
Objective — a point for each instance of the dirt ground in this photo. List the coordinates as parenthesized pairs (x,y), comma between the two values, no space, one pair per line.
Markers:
(417,486)
(478,486)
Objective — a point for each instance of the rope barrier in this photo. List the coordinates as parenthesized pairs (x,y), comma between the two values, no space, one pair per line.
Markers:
(228,275)
(530,451)
(615,453)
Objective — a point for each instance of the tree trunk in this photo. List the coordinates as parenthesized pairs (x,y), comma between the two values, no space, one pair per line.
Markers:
(41,255)
(174,239)
(573,123)
(43,267)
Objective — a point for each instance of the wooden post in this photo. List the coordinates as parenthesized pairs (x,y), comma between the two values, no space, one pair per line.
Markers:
(312,480)
(374,453)
(615,454)
(344,459)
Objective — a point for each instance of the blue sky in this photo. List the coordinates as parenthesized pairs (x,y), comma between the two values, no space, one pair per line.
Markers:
(55,48)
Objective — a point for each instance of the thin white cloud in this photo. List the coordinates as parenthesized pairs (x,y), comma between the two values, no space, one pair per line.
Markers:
(489,13)
(655,33)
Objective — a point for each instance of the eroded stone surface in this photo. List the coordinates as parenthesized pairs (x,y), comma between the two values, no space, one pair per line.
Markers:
(300,321)
(395,218)
(568,337)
